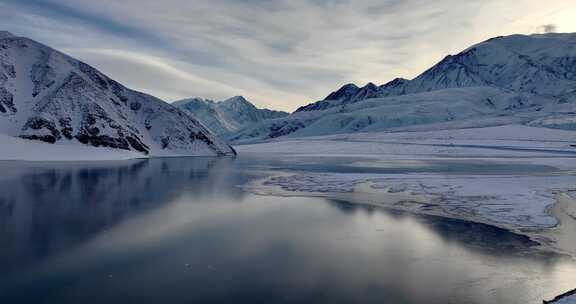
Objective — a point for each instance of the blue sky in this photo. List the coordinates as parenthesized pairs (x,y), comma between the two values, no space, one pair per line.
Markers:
(277,53)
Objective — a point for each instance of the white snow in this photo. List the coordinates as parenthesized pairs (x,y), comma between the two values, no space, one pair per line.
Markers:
(501,141)
(12,148)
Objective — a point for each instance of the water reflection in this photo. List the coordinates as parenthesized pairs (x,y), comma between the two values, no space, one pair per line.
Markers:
(181,231)
(45,208)
(478,237)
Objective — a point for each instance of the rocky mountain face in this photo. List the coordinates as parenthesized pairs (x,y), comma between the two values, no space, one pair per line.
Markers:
(226,116)
(48,96)
(528,79)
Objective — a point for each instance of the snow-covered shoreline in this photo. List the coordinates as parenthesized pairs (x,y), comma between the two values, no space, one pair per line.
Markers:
(18,149)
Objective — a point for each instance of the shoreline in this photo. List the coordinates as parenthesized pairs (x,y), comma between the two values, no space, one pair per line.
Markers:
(554,239)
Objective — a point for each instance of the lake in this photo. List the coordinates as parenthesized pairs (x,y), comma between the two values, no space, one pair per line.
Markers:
(183,230)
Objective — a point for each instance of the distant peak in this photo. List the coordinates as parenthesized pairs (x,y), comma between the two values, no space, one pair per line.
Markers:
(238,103)
(237,99)
(370,85)
(349,86)
(344,92)
(395,82)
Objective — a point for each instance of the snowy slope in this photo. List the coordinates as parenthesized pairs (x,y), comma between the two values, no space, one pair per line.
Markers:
(226,116)
(516,79)
(14,148)
(442,109)
(50,97)
(510,141)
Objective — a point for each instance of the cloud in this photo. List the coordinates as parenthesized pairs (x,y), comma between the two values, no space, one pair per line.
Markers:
(171,79)
(278,53)
(548,28)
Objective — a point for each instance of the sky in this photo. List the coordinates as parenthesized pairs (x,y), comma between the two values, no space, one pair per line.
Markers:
(278,54)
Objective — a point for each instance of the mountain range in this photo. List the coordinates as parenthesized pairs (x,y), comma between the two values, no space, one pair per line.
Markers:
(517,79)
(51,97)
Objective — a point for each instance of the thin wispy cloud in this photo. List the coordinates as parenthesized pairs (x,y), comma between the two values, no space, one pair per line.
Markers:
(548,28)
(279,53)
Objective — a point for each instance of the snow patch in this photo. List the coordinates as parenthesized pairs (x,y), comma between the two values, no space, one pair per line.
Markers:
(12,148)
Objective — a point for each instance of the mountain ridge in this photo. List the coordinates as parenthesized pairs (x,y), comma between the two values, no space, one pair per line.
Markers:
(465,70)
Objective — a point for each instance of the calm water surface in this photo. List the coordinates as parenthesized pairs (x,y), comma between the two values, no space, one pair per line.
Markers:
(182,231)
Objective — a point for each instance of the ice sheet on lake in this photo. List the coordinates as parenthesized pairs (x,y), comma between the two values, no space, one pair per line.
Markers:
(511,201)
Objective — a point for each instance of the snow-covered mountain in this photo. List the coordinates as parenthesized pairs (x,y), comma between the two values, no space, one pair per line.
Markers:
(541,64)
(226,116)
(528,79)
(48,96)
